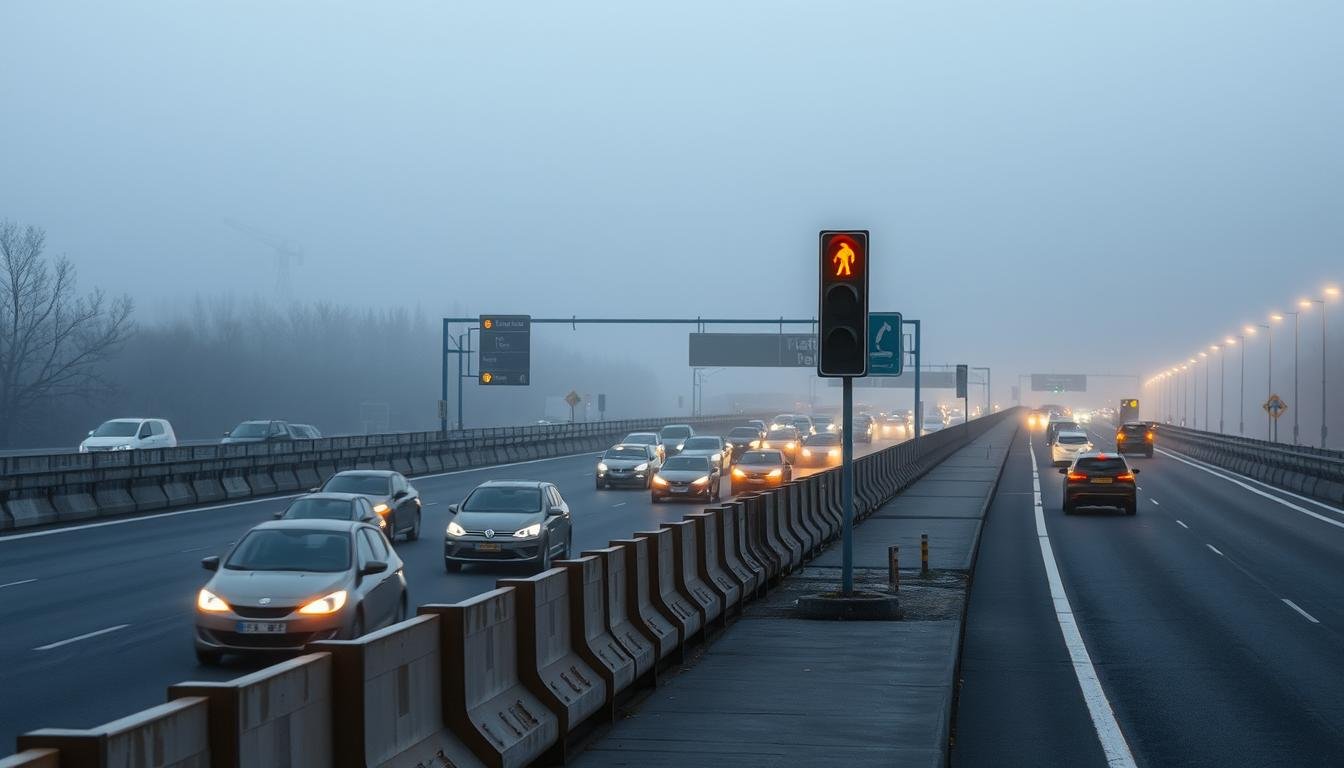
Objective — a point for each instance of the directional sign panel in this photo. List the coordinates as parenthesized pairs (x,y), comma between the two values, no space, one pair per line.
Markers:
(1058,382)
(884,344)
(963,373)
(753,350)
(506,350)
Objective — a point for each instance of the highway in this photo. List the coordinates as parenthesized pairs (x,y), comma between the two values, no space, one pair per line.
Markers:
(1214,621)
(98,617)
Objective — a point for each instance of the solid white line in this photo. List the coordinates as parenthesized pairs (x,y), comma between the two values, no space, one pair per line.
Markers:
(1112,739)
(1183,525)
(59,643)
(17,583)
(1155,502)
(1215,550)
(245,502)
(1295,607)
(1235,481)
(1230,474)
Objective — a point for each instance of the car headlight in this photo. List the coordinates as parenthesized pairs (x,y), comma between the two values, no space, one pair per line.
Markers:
(680,446)
(528,532)
(210,602)
(835,454)
(325,604)
(776,473)
(601,466)
(381,508)
(716,457)
(659,481)
(807,451)
(755,443)
(456,530)
(640,468)
(700,481)
(737,472)
(790,445)
(83,448)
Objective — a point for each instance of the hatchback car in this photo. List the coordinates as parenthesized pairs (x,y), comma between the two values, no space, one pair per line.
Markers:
(645,438)
(711,447)
(687,477)
(508,521)
(130,435)
(762,469)
(783,439)
(1055,426)
(760,426)
(865,426)
(332,506)
(1136,437)
(673,436)
(1068,446)
(259,431)
(820,450)
(287,583)
(304,432)
(628,465)
(391,495)
(1100,480)
(743,439)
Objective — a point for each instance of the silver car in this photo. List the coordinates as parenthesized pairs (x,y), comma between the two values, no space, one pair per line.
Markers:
(508,521)
(712,448)
(287,583)
(628,465)
(673,436)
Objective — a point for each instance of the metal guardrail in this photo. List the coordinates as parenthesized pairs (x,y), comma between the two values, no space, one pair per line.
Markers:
(1312,472)
(516,675)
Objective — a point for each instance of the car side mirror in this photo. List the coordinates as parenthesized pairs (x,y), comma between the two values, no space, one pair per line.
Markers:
(1063,470)
(210,563)
(452,509)
(314,489)
(90,433)
(399,495)
(226,434)
(1135,471)
(373,567)
(279,514)
(555,511)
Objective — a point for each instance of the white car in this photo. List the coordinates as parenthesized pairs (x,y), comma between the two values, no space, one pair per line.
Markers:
(1068,446)
(931,423)
(130,435)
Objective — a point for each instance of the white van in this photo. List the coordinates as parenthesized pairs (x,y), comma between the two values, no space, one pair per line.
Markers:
(129,435)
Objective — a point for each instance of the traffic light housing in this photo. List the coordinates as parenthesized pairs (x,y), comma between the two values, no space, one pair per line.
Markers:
(842,312)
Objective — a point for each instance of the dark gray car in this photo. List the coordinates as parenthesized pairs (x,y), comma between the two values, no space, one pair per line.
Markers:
(673,437)
(628,465)
(259,431)
(687,477)
(392,496)
(508,521)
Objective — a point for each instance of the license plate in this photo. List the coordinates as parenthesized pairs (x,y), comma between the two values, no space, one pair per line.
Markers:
(1102,480)
(261,627)
(756,480)
(487,547)
(680,490)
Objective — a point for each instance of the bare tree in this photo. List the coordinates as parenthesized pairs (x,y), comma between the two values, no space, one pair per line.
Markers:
(52,341)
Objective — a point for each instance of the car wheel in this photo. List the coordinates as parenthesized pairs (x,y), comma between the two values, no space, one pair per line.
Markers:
(452,567)
(597,484)
(569,545)
(414,533)
(208,657)
(1067,507)
(357,629)
(648,482)
(1149,454)
(544,559)
(401,609)
(1132,508)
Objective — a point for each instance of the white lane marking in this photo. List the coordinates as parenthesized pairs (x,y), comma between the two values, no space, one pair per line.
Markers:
(1112,740)
(1155,502)
(245,502)
(1183,525)
(429,503)
(622,504)
(17,583)
(1235,481)
(1305,615)
(190,549)
(1215,550)
(76,639)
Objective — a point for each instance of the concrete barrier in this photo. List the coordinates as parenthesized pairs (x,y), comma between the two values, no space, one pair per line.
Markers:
(590,628)
(33,758)
(388,683)
(774,537)
(179,493)
(261,483)
(285,479)
(277,717)
(710,564)
(759,540)
(235,486)
(148,495)
(30,508)
(484,699)
(207,489)
(547,662)
(113,499)
(622,613)
(734,526)
(797,546)
(686,557)
(172,734)
(664,590)
(647,614)
(807,515)
(794,523)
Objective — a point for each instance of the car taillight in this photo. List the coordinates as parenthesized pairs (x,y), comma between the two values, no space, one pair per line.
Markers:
(1076,476)
(1149,437)
(1126,476)
(1119,437)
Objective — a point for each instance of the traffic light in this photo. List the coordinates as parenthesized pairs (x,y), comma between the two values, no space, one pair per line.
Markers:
(843,303)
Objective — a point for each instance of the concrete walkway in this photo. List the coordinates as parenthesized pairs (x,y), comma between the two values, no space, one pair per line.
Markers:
(778,691)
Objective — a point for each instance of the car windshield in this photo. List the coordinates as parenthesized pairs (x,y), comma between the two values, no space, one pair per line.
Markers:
(1059,426)
(701,443)
(781,434)
(368,485)
(688,463)
(669,433)
(625,453)
(1097,465)
(326,509)
(292,550)
(251,429)
(503,498)
(641,438)
(1133,429)
(825,438)
(744,433)
(822,420)
(757,458)
(1067,439)
(117,429)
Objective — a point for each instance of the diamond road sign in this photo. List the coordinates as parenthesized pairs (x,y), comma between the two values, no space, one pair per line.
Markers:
(1275,406)
(885,356)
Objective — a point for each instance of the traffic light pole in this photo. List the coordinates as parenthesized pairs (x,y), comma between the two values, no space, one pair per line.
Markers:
(847,487)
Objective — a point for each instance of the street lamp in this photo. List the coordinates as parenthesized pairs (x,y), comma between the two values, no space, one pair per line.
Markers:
(1185,395)
(1222,378)
(1330,292)
(1231,341)
(1194,393)
(1296,400)
(1269,365)
(1205,356)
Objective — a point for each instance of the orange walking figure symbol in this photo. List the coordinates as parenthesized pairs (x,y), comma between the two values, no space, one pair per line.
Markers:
(843,260)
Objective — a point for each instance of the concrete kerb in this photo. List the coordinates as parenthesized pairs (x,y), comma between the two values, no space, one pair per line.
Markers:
(33,758)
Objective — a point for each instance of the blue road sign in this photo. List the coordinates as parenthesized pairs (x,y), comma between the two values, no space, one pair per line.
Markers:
(885,339)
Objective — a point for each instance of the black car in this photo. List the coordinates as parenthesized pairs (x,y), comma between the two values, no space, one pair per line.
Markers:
(332,506)
(393,498)
(687,477)
(743,439)
(1136,437)
(259,431)
(1100,480)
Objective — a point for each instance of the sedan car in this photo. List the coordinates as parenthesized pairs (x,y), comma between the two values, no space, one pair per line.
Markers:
(259,431)
(865,426)
(1100,480)
(687,477)
(508,521)
(645,438)
(932,422)
(804,425)
(743,439)
(714,448)
(304,432)
(287,583)
(1055,426)
(1068,446)
(392,497)
(130,435)
(820,450)
(824,423)
(1136,437)
(762,469)
(332,506)
(673,436)
(628,465)
(783,439)
(760,426)
(894,428)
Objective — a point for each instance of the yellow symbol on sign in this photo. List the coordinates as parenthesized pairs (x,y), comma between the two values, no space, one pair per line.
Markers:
(486,378)
(488,324)
(843,260)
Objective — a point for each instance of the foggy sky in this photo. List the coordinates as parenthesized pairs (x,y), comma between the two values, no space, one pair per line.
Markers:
(1066,186)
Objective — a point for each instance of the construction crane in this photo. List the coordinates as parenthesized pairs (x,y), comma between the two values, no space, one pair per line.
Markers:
(286,255)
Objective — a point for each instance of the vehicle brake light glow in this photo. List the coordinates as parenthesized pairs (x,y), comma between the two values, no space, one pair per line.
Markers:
(1076,476)
(1148,437)
(1120,437)
(1127,476)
